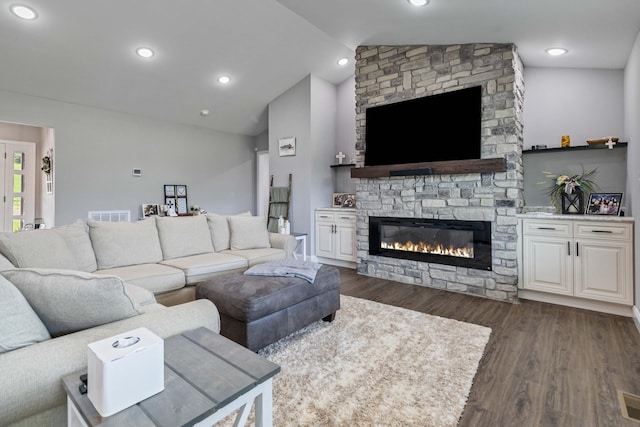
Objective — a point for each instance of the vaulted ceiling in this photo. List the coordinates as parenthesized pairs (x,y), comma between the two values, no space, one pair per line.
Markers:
(83,52)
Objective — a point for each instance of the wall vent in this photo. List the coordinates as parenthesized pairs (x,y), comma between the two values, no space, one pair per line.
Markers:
(630,406)
(110,216)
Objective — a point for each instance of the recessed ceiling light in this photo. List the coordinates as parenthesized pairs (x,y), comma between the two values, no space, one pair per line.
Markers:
(556,51)
(145,52)
(224,79)
(418,2)
(343,61)
(24,12)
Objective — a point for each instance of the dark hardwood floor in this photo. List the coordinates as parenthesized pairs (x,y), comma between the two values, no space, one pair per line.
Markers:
(544,365)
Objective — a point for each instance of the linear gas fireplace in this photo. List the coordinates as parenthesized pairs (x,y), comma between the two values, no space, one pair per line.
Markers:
(452,242)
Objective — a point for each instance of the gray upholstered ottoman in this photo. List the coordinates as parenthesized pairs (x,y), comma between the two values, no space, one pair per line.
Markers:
(256,311)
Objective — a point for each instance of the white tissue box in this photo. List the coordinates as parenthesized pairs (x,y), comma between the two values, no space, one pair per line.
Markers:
(124,370)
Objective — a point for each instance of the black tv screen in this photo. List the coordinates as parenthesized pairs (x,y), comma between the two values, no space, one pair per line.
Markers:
(433,128)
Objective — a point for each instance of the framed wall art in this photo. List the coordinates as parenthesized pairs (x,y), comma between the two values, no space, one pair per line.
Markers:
(604,204)
(287,146)
(175,195)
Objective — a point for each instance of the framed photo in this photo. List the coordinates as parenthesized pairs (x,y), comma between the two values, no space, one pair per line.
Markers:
(181,207)
(169,190)
(344,200)
(604,204)
(149,209)
(287,146)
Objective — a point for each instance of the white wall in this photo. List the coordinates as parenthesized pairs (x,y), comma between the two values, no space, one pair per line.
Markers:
(345,134)
(582,103)
(97,149)
(307,111)
(632,132)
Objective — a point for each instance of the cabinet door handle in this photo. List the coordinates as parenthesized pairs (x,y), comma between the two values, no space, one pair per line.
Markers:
(577,251)
(334,228)
(546,228)
(569,248)
(345,217)
(602,231)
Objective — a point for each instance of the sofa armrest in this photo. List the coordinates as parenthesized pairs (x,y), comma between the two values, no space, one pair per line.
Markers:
(283,241)
(32,376)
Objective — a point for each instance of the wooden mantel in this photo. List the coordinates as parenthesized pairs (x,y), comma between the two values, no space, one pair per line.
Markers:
(432,168)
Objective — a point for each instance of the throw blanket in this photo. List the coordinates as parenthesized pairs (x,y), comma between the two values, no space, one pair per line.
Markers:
(288,268)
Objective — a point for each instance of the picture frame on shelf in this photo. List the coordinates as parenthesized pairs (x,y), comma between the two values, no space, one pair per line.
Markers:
(604,204)
(149,209)
(287,146)
(343,200)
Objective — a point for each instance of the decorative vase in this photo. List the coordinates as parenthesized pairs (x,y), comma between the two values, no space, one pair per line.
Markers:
(573,203)
(565,141)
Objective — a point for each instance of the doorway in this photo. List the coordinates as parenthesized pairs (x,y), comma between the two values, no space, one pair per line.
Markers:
(18,184)
(262,184)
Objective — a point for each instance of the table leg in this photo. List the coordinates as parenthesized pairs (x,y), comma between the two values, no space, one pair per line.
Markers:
(264,405)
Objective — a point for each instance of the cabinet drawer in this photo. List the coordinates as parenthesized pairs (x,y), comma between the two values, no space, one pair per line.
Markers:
(547,228)
(324,216)
(602,230)
(345,217)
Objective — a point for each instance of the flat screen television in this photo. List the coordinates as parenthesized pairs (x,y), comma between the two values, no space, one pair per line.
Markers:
(433,128)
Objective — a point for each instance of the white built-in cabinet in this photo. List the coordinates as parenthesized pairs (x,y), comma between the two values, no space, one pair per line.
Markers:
(581,261)
(335,235)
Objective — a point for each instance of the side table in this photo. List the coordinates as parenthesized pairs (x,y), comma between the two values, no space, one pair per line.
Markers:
(302,243)
(207,377)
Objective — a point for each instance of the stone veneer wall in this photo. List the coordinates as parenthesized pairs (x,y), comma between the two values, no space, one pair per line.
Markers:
(386,74)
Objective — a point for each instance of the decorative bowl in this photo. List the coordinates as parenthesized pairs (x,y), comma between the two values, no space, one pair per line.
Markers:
(601,140)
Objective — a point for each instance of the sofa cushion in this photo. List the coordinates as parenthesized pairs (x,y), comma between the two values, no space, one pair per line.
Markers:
(5,264)
(184,236)
(219,227)
(140,295)
(77,239)
(69,301)
(259,256)
(156,278)
(200,267)
(118,244)
(37,248)
(20,325)
(248,232)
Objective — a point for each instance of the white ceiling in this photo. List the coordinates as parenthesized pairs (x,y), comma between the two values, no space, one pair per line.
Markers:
(82,52)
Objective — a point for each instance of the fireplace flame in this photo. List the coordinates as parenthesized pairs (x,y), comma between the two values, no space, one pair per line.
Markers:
(426,248)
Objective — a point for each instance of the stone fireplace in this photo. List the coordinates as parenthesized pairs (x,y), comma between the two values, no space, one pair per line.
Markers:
(478,199)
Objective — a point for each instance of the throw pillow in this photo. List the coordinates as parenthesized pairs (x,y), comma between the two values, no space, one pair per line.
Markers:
(69,301)
(77,239)
(219,227)
(37,248)
(20,325)
(118,244)
(184,236)
(248,232)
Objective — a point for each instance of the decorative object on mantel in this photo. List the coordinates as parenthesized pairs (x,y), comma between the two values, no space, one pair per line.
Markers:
(47,168)
(149,209)
(340,156)
(608,141)
(539,147)
(604,204)
(565,141)
(287,146)
(570,190)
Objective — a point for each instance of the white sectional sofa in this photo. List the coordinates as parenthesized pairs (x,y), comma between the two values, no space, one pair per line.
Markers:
(63,288)
(165,255)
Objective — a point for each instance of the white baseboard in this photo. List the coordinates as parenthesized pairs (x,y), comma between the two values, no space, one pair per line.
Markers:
(331,261)
(636,317)
(586,304)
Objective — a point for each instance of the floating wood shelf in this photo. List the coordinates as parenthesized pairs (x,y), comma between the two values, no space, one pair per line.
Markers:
(436,168)
(577,148)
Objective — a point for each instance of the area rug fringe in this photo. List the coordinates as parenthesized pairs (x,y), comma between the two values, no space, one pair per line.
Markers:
(375,365)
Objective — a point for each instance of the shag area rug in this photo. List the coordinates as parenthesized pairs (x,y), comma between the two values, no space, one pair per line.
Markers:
(375,365)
